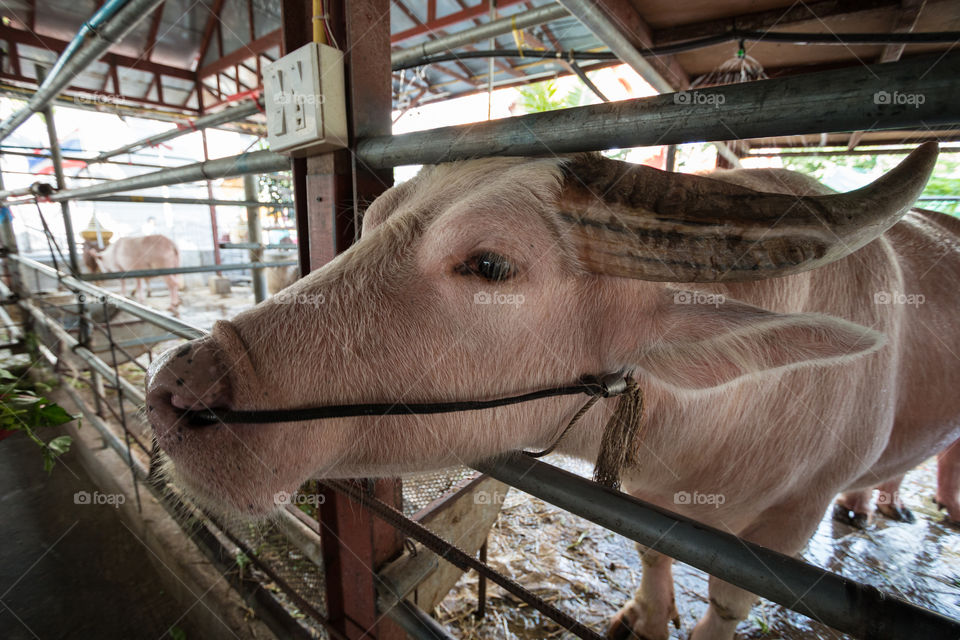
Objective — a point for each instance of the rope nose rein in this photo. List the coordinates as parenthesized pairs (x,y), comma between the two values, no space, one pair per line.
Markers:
(618,444)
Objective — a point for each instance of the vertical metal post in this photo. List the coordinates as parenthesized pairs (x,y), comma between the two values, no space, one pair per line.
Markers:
(57,159)
(328,190)
(8,241)
(671,159)
(213,207)
(251,194)
(83,328)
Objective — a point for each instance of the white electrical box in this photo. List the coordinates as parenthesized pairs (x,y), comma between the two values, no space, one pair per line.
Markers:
(304,100)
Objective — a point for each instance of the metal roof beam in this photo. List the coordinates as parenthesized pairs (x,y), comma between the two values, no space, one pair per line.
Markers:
(469,13)
(208,29)
(56,45)
(154,28)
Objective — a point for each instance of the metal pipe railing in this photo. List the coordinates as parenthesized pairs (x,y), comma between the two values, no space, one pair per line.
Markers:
(229,167)
(848,606)
(134,393)
(205,268)
(231,114)
(173,325)
(201,201)
(95,46)
(492,29)
(849,99)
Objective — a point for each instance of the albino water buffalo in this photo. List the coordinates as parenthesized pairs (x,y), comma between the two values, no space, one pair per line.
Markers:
(137,252)
(279,278)
(761,314)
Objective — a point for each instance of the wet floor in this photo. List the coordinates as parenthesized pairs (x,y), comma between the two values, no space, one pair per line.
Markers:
(70,570)
(589,572)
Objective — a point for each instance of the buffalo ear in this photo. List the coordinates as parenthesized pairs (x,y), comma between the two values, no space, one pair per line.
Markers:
(703,342)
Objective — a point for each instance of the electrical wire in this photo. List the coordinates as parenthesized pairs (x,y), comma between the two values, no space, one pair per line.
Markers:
(846,39)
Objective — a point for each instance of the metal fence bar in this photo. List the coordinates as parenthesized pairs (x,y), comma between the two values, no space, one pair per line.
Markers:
(97,42)
(150,273)
(232,114)
(229,167)
(134,393)
(913,93)
(848,606)
(173,325)
(203,201)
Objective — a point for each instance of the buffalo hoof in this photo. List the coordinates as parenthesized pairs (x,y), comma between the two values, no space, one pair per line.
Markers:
(898,513)
(850,517)
(947,520)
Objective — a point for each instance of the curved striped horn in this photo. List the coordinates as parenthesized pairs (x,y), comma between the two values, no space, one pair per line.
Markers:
(639,222)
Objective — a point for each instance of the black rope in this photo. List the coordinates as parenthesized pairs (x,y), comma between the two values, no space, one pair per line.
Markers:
(590,385)
(936,37)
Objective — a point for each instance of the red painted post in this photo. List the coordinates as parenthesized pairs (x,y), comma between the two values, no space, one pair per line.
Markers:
(328,188)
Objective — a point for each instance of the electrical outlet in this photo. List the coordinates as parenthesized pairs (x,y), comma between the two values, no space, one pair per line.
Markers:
(304,101)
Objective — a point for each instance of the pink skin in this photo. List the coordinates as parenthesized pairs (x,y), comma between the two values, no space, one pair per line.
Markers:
(134,253)
(396,319)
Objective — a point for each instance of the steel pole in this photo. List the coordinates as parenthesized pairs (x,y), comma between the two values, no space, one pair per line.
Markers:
(229,167)
(849,99)
(232,114)
(255,236)
(848,606)
(97,43)
(57,160)
(198,201)
(162,320)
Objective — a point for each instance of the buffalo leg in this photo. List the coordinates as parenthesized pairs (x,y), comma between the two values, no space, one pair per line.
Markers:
(854,508)
(784,528)
(652,608)
(948,481)
(889,503)
(173,285)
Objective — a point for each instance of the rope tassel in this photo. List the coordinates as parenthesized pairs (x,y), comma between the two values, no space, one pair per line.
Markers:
(621,437)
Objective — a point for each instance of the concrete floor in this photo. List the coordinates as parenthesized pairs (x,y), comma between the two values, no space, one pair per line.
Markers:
(72,570)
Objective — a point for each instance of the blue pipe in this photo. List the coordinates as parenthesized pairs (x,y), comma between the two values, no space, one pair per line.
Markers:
(90,26)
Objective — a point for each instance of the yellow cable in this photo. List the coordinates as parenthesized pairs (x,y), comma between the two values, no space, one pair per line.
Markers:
(319,35)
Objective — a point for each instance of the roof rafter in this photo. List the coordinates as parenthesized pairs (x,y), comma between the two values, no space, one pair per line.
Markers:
(154,28)
(212,21)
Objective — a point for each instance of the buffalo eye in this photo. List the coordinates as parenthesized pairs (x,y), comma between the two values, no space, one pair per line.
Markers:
(488,265)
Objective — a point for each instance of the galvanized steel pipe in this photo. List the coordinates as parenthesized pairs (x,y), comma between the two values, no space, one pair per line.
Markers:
(174,326)
(848,606)
(97,43)
(849,99)
(232,114)
(229,167)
